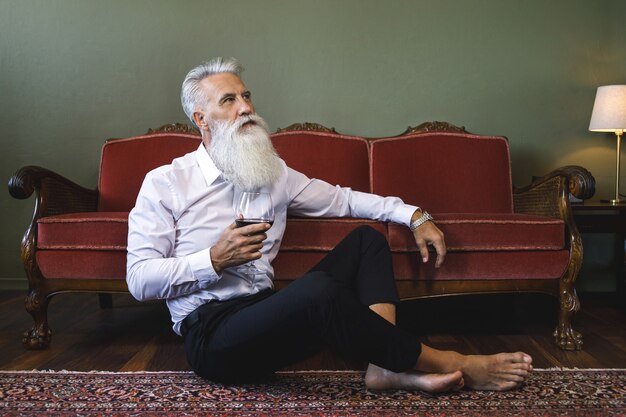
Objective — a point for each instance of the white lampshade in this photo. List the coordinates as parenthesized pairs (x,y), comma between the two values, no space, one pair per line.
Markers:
(609,109)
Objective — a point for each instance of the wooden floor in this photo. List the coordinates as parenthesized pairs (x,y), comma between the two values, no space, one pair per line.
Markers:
(138,336)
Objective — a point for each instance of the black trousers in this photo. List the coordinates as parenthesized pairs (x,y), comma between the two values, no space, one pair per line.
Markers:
(326,308)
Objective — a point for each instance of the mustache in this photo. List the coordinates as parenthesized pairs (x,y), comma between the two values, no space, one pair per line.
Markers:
(226,128)
(250,118)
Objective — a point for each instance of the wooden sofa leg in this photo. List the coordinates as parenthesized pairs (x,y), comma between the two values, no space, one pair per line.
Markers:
(38,337)
(565,336)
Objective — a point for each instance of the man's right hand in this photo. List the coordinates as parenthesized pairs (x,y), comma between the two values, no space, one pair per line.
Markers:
(238,245)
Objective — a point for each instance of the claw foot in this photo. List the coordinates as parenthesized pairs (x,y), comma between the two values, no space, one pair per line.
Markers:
(35,339)
(568,339)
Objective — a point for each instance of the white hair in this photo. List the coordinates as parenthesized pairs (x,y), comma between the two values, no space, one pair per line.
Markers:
(191,95)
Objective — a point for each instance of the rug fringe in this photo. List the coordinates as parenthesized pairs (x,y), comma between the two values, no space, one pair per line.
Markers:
(557,368)
(327,371)
(65,371)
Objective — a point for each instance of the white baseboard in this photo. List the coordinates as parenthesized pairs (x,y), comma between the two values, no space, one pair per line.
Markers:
(7,284)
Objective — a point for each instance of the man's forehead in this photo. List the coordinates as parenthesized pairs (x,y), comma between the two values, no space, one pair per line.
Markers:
(223,83)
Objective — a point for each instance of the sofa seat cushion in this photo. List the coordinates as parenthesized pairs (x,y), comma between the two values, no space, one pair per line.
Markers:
(303,235)
(83,245)
(82,264)
(488,232)
(482,265)
(408,266)
(84,231)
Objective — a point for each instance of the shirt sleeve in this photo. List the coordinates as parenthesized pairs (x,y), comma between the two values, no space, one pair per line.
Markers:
(152,272)
(317,198)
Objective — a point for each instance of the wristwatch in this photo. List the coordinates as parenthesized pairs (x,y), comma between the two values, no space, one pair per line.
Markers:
(420,221)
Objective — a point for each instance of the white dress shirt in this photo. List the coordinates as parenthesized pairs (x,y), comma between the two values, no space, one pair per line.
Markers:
(182,210)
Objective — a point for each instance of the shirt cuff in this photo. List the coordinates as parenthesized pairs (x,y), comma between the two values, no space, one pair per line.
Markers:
(403,214)
(202,267)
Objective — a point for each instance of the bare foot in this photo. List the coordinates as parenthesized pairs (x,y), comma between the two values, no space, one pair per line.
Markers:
(378,378)
(500,372)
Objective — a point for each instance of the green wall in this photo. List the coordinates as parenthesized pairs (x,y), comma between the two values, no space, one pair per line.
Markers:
(73,73)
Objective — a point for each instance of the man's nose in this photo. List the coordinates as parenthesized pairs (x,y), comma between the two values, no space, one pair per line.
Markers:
(245,108)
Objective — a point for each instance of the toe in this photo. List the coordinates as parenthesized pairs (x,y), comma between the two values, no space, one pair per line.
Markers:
(460,385)
(506,386)
(519,357)
(519,371)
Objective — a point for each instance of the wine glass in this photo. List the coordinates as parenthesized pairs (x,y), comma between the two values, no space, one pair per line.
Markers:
(252,208)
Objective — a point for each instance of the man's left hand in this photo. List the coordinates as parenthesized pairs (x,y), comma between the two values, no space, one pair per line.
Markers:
(429,234)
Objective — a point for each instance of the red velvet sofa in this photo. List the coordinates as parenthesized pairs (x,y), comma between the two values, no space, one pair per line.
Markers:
(499,239)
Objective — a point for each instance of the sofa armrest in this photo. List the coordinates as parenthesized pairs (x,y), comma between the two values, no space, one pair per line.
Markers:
(549,195)
(582,184)
(55,194)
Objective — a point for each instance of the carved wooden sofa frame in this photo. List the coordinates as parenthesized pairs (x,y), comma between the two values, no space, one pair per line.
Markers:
(548,196)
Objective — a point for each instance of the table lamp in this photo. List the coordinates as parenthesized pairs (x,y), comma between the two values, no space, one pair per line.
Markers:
(609,115)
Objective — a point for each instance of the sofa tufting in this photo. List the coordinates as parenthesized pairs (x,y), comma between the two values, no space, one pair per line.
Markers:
(499,238)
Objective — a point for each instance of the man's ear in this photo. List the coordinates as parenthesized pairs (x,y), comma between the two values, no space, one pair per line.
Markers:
(200,121)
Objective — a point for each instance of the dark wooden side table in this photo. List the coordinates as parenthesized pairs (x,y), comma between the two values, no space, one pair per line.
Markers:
(599,217)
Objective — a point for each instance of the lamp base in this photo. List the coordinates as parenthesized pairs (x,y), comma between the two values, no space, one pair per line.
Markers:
(614,201)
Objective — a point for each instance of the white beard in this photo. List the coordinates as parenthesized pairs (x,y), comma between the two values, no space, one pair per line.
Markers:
(245,155)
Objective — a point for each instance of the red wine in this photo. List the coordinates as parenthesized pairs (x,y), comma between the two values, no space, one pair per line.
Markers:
(248,222)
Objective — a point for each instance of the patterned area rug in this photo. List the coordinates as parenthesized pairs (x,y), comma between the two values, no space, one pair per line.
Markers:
(320,393)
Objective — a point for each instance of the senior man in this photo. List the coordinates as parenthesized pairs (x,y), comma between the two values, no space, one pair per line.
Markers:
(184,247)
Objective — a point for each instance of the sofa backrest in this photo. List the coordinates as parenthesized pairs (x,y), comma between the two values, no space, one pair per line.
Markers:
(125,163)
(334,158)
(444,172)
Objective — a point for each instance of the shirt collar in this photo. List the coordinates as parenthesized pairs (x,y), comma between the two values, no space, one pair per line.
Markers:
(207,166)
